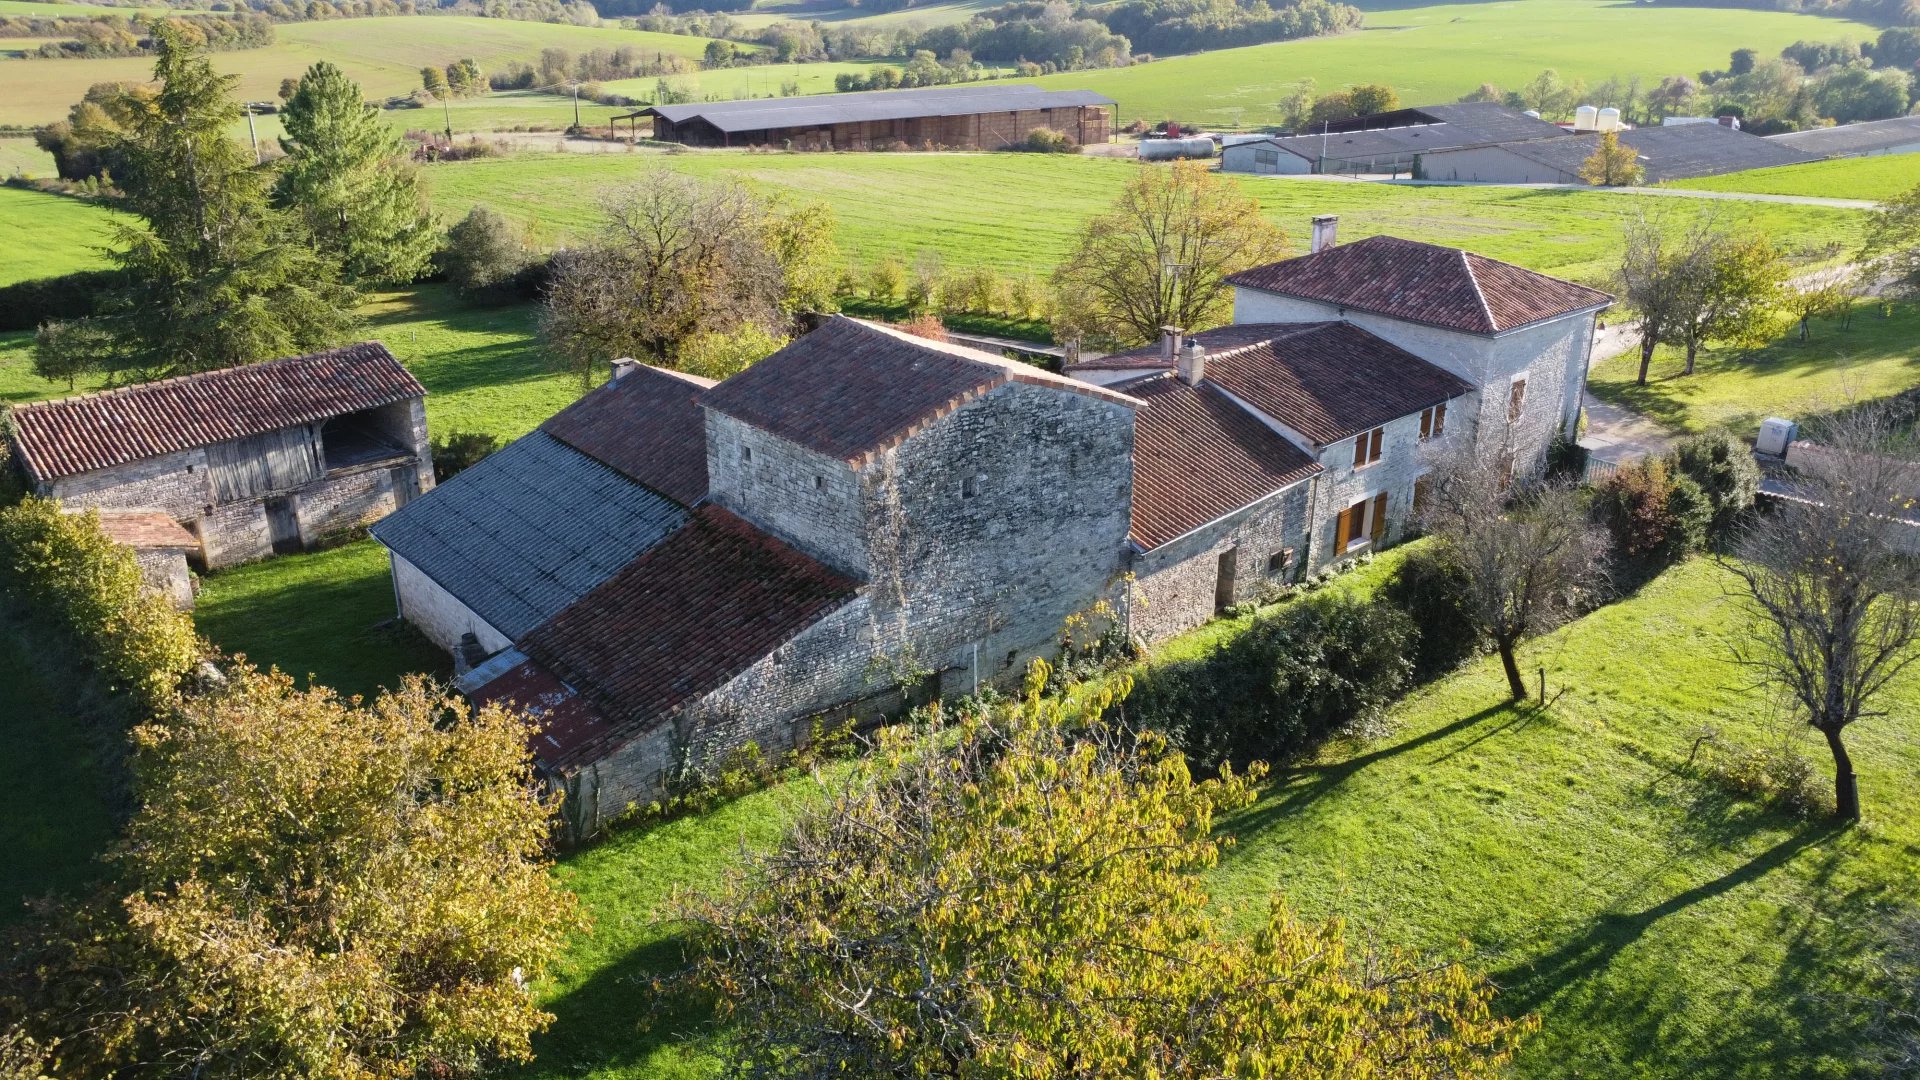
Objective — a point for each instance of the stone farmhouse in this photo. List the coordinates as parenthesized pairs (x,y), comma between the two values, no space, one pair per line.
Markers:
(670,568)
(250,461)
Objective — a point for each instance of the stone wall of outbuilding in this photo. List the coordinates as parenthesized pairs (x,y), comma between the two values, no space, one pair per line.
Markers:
(1175,585)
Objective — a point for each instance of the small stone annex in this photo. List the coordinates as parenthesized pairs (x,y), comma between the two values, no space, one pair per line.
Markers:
(250,461)
(671,568)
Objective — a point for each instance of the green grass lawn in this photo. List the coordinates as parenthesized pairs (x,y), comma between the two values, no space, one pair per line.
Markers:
(1876,357)
(49,234)
(1875,178)
(383,54)
(1437,52)
(54,803)
(1021,212)
(46,9)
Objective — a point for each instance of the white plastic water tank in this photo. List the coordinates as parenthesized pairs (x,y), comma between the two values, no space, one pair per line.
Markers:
(1586,118)
(1775,436)
(1609,119)
(1171,149)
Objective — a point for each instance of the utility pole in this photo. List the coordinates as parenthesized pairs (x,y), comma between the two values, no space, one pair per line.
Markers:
(576,104)
(447,111)
(251,137)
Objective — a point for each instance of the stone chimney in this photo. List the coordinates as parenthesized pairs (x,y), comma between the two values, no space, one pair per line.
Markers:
(1170,343)
(1325,226)
(624,367)
(1193,363)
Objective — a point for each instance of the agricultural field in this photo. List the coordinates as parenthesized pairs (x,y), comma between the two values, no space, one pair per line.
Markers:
(827,11)
(1876,178)
(1434,53)
(44,9)
(18,155)
(384,54)
(49,234)
(1874,356)
(1020,212)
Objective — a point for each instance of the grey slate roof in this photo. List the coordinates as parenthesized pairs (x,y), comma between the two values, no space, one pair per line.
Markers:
(528,530)
(807,111)
(1853,138)
(1668,153)
(1415,131)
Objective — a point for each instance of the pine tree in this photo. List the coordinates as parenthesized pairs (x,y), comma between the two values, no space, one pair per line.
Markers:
(348,178)
(216,275)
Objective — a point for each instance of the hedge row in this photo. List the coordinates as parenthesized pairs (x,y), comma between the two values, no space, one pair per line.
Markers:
(64,571)
(25,305)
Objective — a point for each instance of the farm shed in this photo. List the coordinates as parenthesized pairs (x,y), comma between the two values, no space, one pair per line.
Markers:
(160,547)
(253,461)
(1900,135)
(976,116)
(1389,142)
(1666,153)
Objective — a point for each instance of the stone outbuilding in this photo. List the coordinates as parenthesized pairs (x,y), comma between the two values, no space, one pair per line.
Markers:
(251,461)
(161,548)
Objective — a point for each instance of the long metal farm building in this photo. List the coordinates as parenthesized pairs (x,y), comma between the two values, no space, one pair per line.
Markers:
(974,116)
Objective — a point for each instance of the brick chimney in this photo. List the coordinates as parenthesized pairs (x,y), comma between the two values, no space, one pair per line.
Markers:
(1170,343)
(625,366)
(1325,226)
(1193,363)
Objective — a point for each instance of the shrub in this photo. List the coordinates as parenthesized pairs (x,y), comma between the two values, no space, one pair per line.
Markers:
(1431,586)
(1048,141)
(25,305)
(1313,669)
(64,570)
(484,251)
(887,279)
(459,451)
(1778,776)
(926,326)
(721,353)
(1652,512)
(1726,471)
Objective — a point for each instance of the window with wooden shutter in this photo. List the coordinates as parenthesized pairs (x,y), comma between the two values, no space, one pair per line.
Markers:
(1433,422)
(1516,399)
(1343,529)
(1379,522)
(1366,447)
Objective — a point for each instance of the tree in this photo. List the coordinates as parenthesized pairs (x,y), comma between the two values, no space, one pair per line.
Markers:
(348,178)
(1370,98)
(1830,584)
(1296,109)
(484,251)
(1893,242)
(312,887)
(434,82)
(216,275)
(1824,294)
(1550,95)
(801,238)
(287,88)
(1651,265)
(65,351)
(1161,255)
(1331,108)
(1018,893)
(676,257)
(1485,92)
(719,354)
(1612,164)
(1729,290)
(1529,552)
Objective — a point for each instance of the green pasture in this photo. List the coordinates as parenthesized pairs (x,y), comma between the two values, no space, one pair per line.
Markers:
(1875,178)
(49,234)
(829,12)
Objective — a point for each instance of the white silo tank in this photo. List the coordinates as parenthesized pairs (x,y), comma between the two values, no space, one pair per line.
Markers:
(1535,113)
(1586,118)
(1609,119)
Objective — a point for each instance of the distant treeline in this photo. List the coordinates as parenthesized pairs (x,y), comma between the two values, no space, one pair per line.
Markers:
(578,12)
(117,35)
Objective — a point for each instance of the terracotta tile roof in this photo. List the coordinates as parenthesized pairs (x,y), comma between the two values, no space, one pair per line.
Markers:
(851,388)
(97,431)
(566,721)
(1329,380)
(1424,283)
(1197,456)
(681,620)
(647,425)
(148,530)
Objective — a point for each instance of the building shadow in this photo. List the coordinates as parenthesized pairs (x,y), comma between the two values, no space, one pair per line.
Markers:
(617,1019)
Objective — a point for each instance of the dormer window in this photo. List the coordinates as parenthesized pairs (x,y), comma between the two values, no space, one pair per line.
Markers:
(1433,422)
(1366,447)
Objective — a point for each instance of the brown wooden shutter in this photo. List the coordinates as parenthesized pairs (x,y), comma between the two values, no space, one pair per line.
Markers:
(1359,450)
(1378,435)
(1379,516)
(1426,424)
(1342,530)
(1516,398)
(1440,418)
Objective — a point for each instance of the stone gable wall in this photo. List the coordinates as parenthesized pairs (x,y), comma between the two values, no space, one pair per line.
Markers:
(1176,583)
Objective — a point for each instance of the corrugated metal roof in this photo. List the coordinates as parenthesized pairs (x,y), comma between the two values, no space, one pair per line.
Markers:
(1669,153)
(812,110)
(1447,127)
(529,530)
(74,435)
(1853,138)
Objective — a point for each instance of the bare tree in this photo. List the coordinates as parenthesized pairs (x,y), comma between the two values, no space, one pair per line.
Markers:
(675,257)
(1831,583)
(1528,548)
(1161,255)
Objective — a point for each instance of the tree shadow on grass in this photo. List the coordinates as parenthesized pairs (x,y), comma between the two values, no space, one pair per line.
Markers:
(615,1019)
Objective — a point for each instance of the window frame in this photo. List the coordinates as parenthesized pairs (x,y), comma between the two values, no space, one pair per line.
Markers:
(1368,448)
(1433,421)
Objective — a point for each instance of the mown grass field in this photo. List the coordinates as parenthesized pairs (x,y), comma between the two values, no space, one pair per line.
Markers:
(828,11)
(1875,357)
(1841,178)
(384,55)
(49,234)
(1022,212)
(41,9)
(1434,53)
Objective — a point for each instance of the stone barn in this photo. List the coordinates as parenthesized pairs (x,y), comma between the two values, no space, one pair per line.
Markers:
(161,548)
(251,461)
(974,116)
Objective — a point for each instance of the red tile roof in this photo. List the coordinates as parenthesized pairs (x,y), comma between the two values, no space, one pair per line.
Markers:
(1330,380)
(567,722)
(1424,283)
(74,435)
(148,530)
(850,388)
(646,425)
(680,621)
(1198,456)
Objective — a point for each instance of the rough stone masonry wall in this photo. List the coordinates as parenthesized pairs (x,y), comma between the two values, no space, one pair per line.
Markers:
(1403,457)
(176,484)
(164,570)
(234,534)
(804,497)
(1175,584)
(338,502)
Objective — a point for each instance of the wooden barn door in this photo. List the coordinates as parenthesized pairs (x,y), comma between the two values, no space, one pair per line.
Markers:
(283,525)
